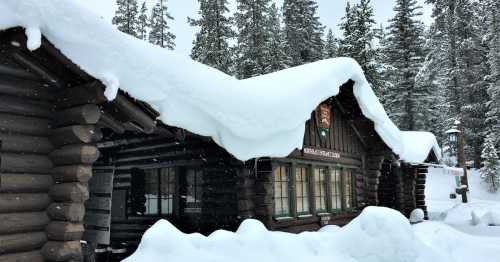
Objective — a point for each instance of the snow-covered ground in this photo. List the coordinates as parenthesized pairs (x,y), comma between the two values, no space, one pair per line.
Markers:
(473,217)
(377,235)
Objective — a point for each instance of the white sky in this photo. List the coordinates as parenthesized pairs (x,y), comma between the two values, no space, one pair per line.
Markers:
(330,12)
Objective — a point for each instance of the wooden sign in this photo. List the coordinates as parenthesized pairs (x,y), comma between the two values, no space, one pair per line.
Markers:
(321,153)
(323,116)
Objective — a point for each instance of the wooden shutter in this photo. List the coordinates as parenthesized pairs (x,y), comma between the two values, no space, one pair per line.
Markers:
(98,207)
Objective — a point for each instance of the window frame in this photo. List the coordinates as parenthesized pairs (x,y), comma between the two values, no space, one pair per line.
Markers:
(325,185)
(194,207)
(305,186)
(289,193)
(159,207)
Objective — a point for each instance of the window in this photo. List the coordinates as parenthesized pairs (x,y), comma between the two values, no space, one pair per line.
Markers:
(301,191)
(159,191)
(194,189)
(336,189)
(348,190)
(281,192)
(320,189)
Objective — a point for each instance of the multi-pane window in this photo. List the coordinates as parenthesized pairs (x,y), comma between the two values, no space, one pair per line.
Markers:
(281,193)
(348,190)
(194,188)
(159,191)
(320,189)
(336,188)
(301,191)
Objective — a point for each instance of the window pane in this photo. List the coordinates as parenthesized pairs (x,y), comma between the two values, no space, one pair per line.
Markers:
(336,189)
(348,189)
(320,188)
(151,191)
(281,198)
(167,187)
(194,187)
(301,190)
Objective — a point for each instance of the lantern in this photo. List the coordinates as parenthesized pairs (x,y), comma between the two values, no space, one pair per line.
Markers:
(452,135)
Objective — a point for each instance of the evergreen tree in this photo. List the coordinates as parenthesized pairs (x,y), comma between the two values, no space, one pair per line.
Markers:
(406,100)
(253,37)
(331,48)
(490,172)
(358,40)
(493,36)
(143,23)
(211,43)
(277,57)
(160,34)
(126,17)
(303,31)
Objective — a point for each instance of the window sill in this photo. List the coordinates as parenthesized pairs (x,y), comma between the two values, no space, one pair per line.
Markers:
(323,214)
(305,216)
(283,219)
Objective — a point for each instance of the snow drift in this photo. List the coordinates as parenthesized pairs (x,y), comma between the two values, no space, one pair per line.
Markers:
(377,235)
(262,116)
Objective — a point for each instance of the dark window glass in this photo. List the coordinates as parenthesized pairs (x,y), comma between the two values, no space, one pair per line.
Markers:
(159,191)
(336,189)
(194,188)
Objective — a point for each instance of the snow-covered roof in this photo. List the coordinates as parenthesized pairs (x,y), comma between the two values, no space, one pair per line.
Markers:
(261,116)
(418,146)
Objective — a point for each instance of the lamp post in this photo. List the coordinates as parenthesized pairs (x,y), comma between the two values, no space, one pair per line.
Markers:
(457,146)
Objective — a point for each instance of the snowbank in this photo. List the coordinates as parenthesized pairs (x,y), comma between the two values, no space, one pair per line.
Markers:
(262,116)
(377,235)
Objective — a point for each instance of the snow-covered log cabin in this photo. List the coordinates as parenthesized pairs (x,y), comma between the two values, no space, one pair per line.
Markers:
(75,165)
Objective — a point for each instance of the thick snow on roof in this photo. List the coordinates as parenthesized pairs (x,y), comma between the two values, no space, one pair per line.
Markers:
(262,116)
(418,145)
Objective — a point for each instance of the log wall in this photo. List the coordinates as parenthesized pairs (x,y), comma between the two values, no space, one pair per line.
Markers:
(73,135)
(25,168)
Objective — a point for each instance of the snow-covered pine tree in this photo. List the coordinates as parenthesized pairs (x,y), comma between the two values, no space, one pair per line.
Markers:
(303,31)
(277,58)
(211,45)
(331,48)
(142,22)
(358,40)
(490,171)
(466,96)
(126,17)
(432,76)
(160,34)
(406,101)
(253,35)
(493,115)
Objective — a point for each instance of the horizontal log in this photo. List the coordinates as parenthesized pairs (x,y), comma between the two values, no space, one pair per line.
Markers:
(18,73)
(97,219)
(64,231)
(72,173)
(17,143)
(31,256)
(24,107)
(23,222)
(22,242)
(25,183)
(78,134)
(11,203)
(60,251)
(135,114)
(24,125)
(75,154)
(69,192)
(88,93)
(108,121)
(72,212)
(24,163)
(81,115)
(36,90)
